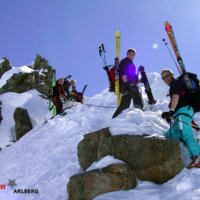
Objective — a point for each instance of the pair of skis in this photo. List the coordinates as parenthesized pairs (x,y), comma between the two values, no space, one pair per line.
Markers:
(53,83)
(117,60)
(181,67)
(147,87)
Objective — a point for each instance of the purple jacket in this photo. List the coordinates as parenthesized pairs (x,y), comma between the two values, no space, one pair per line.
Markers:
(126,67)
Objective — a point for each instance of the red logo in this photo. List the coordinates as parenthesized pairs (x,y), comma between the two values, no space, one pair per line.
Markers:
(2,187)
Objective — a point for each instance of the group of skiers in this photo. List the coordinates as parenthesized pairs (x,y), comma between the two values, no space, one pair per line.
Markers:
(61,92)
(180,114)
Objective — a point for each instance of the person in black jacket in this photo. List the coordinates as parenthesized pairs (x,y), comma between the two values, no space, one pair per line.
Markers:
(57,94)
(67,85)
(180,116)
(128,84)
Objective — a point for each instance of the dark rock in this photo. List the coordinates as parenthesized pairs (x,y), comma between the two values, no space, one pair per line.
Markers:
(39,79)
(41,65)
(153,159)
(90,184)
(22,122)
(19,83)
(4,66)
(89,147)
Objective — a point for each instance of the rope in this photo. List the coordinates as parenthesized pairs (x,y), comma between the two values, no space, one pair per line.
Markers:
(100,106)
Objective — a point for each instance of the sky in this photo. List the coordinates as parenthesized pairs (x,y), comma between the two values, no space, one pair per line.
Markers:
(68,33)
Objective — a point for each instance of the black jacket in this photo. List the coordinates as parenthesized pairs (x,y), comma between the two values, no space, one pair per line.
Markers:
(178,87)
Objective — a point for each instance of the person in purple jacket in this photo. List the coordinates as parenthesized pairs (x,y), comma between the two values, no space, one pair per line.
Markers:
(128,84)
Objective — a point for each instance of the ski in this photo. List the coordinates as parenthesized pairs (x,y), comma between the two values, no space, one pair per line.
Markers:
(53,83)
(146,85)
(61,114)
(117,60)
(83,91)
(172,39)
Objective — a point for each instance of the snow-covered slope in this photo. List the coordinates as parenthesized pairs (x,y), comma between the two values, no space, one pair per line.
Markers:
(46,157)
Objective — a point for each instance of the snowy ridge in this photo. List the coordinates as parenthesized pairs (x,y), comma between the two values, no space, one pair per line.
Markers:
(14,70)
(46,157)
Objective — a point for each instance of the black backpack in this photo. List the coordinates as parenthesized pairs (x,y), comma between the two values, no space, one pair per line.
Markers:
(193,95)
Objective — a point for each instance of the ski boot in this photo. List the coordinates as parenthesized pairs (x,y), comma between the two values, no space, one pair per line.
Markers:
(195,162)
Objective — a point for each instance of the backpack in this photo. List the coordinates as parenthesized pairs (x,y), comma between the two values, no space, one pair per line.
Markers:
(111,78)
(193,95)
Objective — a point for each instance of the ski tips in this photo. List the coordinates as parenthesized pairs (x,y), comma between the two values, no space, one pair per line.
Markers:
(168,26)
(167,23)
(117,33)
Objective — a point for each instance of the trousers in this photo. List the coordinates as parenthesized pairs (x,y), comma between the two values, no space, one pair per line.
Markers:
(182,131)
(133,94)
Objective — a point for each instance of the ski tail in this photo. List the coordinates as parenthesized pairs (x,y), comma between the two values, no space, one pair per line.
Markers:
(146,85)
(84,88)
(172,39)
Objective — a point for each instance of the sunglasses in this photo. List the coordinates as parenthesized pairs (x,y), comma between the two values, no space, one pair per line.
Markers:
(132,53)
(164,77)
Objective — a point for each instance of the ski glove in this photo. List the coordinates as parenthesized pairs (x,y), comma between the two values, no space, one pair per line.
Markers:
(168,115)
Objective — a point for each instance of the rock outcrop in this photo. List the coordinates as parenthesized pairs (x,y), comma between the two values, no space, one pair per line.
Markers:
(153,159)
(4,66)
(22,122)
(88,185)
(147,158)
(39,79)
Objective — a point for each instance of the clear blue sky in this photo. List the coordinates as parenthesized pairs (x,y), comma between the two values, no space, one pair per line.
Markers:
(69,32)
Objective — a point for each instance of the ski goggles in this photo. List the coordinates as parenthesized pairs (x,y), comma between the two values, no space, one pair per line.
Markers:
(166,76)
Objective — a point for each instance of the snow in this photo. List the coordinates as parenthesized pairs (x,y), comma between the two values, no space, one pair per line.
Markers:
(41,72)
(31,64)
(104,162)
(46,157)
(28,100)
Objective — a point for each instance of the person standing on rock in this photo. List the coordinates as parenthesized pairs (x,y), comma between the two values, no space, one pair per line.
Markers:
(128,84)
(181,111)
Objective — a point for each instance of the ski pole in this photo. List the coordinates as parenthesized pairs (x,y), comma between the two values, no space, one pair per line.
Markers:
(166,44)
(187,123)
(103,54)
(100,50)
(170,129)
(68,77)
